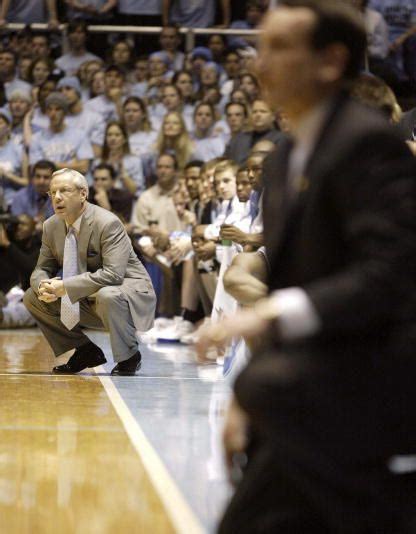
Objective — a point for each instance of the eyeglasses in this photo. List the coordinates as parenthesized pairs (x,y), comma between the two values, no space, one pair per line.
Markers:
(65,191)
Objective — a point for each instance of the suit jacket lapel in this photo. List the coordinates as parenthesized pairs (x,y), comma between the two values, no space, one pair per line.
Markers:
(84,237)
(275,207)
(310,181)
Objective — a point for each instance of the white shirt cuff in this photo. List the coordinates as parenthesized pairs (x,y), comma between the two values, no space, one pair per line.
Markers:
(297,315)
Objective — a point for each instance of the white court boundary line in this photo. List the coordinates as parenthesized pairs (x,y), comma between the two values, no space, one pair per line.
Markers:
(182,517)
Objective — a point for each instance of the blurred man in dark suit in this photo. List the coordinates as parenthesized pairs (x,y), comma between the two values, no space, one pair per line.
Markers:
(322,415)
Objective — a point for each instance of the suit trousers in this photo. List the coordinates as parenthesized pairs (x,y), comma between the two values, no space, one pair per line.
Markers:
(108,310)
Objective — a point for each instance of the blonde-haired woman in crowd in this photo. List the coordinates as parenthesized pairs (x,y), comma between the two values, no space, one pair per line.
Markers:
(174,138)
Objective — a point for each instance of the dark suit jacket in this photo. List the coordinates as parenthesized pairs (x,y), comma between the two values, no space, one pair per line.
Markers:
(240,145)
(344,399)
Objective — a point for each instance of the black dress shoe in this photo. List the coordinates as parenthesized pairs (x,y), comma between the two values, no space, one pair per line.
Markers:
(88,355)
(128,367)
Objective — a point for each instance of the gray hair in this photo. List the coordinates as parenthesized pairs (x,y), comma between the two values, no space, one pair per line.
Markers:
(79,179)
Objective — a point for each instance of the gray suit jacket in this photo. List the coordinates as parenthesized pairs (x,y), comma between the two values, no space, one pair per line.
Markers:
(106,258)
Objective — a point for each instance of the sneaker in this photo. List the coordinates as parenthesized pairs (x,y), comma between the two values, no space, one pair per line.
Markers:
(176,331)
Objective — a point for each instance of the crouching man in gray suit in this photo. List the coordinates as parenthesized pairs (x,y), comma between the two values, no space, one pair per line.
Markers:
(103,284)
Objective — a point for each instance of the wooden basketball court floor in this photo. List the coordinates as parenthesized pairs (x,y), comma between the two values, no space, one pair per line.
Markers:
(88,453)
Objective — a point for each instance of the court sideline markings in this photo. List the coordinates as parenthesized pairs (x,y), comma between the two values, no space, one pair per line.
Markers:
(183,518)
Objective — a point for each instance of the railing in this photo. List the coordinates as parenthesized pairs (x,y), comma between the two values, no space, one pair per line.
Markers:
(189,33)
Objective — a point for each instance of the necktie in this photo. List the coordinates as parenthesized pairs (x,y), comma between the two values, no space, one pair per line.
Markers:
(70,312)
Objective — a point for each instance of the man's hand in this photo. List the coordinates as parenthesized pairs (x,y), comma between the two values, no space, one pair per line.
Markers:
(51,289)
(233,233)
(179,248)
(246,323)
(4,239)
(206,251)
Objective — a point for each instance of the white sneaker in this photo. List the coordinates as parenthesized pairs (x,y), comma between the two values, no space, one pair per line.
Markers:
(176,331)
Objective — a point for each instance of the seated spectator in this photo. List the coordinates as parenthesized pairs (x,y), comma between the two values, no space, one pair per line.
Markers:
(255,10)
(262,124)
(96,86)
(33,200)
(196,60)
(141,137)
(174,138)
(232,68)
(207,134)
(248,231)
(40,70)
(171,100)
(172,248)
(170,40)
(209,78)
(109,104)
(19,105)
(65,146)
(12,164)
(8,73)
(23,65)
(37,119)
(85,73)
(141,75)
(19,251)
(127,166)
(87,121)
(183,81)
(40,45)
(192,177)
(229,208)
(78,53)
(121,55)
(236,116)
(216,44)
(239,96)
(159,74)
(105,194)
(250,85)
(154,211)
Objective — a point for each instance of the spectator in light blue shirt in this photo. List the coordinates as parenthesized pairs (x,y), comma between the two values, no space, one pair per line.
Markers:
(116,152)
(11,160)
(109,104)
(65,146)
(78,54)
(8,73)
(87,121)
(141,137)
(19,105)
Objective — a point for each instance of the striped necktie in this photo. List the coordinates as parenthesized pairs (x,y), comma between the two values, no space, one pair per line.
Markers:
(70,312)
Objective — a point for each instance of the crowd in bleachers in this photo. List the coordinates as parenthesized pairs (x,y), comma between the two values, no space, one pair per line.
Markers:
(172,142)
